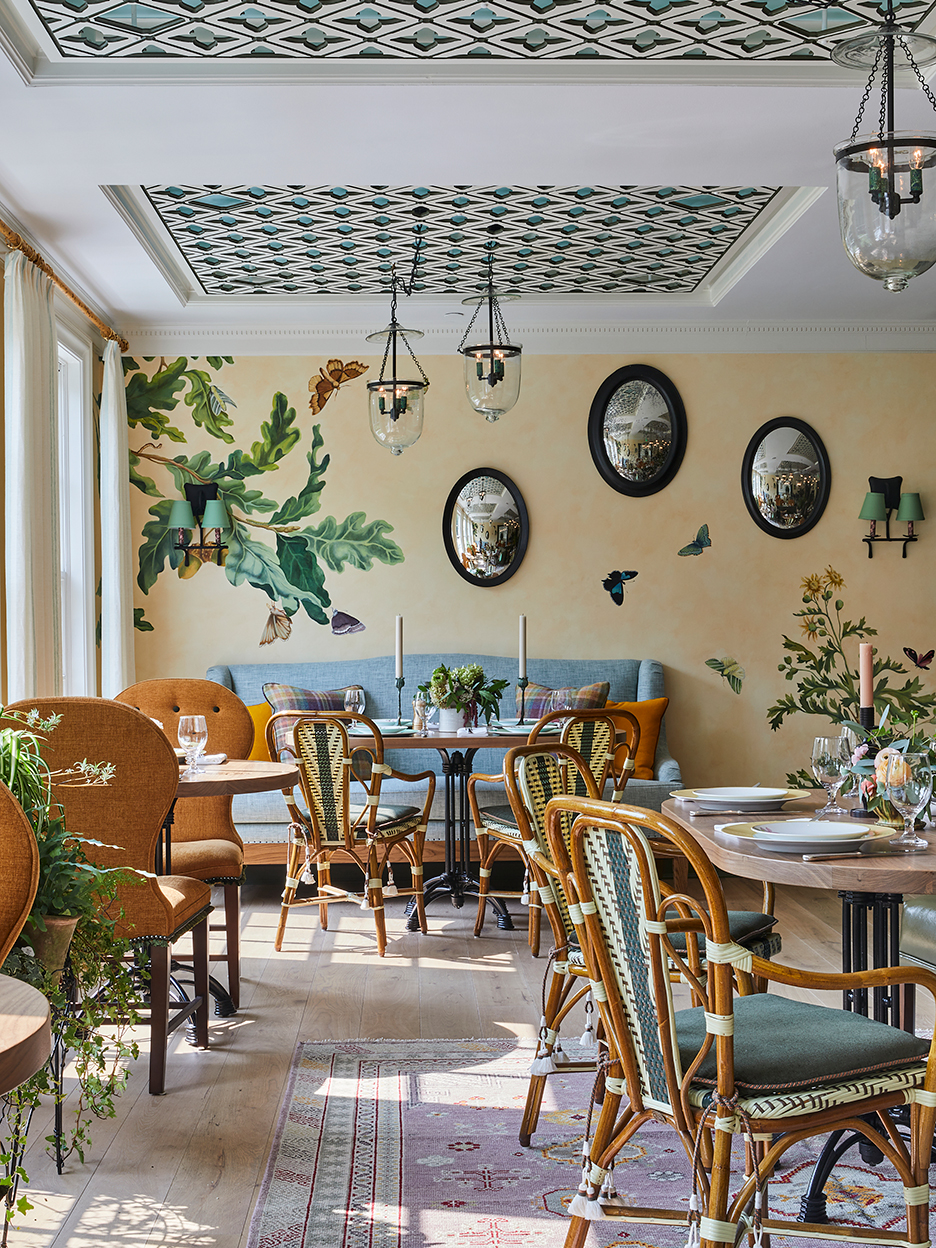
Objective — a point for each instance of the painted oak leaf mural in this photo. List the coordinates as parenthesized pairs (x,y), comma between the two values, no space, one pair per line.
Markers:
(292,570)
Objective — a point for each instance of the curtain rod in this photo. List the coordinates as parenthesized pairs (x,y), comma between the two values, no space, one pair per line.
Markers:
(17,243)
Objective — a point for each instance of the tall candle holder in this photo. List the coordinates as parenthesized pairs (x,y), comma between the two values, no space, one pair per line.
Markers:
(522,683)
(400,682)
(866,720)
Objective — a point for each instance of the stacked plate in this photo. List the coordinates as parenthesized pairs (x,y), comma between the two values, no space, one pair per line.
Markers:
(754,799)
(804,836)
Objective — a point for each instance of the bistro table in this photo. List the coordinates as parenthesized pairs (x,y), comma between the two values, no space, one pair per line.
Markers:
(25,1035)
(870,887)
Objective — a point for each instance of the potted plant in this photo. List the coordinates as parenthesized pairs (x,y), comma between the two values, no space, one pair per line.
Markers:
(75,914)
(462,694)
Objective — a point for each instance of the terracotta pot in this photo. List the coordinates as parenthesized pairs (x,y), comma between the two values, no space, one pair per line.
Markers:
(51,946)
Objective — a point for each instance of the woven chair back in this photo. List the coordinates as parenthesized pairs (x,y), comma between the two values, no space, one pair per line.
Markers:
(124,816)
(19,870)
(591,734)
(328,768)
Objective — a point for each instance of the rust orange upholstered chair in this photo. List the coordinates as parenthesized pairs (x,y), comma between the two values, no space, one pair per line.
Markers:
(205,843)
(127,815)
(19,870)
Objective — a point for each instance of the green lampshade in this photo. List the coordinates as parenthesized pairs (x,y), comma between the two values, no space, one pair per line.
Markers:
(215,516)
(873,508)
(910,508)
(181,517)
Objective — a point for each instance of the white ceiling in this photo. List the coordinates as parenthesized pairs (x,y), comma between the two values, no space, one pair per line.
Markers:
(516,124)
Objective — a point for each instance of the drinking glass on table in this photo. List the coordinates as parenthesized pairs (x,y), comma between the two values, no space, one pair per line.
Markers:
(830,763)
(559,700)
(909,783)
(354,701)
(193,737)
(423,708)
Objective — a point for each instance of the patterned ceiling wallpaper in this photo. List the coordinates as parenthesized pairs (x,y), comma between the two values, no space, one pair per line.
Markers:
(630,30)
(339,240)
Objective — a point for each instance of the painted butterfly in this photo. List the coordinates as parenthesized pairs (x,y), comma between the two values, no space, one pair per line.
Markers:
(615,584)
(331,378)
(342,623)
(699,544)
(218,401)
(278,626)
(730,669)
(919,660)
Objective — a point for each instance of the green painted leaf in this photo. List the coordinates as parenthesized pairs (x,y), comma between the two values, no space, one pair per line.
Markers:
(214,361)
(307,501)
(231,492)
(301,568)
(355,542)
(140,621)
(148,398)
(129,364)
(146,484)
(252,561)
(207,411)
(278,433)
(158,546)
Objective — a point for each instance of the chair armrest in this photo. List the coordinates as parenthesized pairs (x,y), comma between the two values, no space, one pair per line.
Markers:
(473,797)
(405,775)
(838,981)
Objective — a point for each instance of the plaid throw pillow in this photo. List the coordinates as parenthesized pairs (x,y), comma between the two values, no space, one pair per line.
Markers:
(292,698)
(588,698)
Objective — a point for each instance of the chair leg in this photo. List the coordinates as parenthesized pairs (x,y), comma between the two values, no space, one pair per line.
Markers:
(159,1017)
(416,867)
(289,894)
(680,874)
(484,875)
(544,1048)
(534,919)
(324,878)
(200,969)
(232,939)
(375,899)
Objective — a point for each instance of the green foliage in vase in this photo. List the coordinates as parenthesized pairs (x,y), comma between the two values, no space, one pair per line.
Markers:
(827,684)
(292,571)
(465,689)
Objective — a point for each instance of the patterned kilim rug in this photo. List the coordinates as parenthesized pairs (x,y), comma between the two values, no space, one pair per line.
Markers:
(413,1144)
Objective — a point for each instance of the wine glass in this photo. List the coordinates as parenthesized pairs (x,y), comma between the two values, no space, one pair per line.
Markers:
(909,783)
(559,700)
(354,701)
(193,737)
(830,767)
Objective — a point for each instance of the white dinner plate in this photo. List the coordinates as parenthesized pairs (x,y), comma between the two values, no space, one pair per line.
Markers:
(767,799)
(793,843)
(753,793)
(806,828)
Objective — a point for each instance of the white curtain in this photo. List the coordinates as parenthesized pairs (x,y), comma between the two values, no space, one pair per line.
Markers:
(117,665)
(33,566)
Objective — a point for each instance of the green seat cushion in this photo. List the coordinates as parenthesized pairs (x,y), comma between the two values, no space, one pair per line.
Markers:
(744,926)
(387,814)
(500,814)
(781,1045)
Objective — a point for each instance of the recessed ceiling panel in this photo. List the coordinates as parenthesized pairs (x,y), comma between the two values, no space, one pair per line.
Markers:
(630,30)
(340,240)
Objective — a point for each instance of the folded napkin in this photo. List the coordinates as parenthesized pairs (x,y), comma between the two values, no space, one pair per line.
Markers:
(213,760)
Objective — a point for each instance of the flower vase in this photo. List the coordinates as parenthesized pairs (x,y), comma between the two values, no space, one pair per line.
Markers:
(450,720)
(51,946)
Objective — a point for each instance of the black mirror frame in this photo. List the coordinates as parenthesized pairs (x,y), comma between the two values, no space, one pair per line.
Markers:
(825,476)
(678,425)
(448,510)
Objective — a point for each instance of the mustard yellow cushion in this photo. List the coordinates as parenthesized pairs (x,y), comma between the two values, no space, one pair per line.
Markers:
(649,715)
(260,714)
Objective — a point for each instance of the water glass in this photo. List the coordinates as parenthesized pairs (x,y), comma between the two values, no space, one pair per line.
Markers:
(830,764)
(909,782)
(193,737)
(354,701)
(423,709)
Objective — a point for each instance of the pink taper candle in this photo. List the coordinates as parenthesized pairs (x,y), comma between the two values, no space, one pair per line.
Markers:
(865,677)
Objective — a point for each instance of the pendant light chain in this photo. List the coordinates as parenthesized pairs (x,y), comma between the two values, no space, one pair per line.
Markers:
(916,69)
(867,95)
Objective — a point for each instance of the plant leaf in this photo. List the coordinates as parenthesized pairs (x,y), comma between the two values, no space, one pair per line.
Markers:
(158,546)
(307,501)
(355,542)
(140,621)
(148,398)
(301,568)
(254,562)
(146,484)
(210,415)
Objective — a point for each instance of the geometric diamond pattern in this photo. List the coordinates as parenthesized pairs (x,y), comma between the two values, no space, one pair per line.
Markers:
(345,239)
(634,30)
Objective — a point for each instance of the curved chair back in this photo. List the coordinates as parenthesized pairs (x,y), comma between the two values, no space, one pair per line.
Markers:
(590,733)
(19,870)
(126,815)
(230,731)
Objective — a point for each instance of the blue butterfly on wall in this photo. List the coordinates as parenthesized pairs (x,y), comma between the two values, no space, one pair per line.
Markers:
(615,583)
(699,543)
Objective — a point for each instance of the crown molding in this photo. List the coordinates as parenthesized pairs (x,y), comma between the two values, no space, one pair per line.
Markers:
(572,339)
(148,230)
(758,240)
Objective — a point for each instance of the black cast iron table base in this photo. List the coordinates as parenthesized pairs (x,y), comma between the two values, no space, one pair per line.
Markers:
(456,881)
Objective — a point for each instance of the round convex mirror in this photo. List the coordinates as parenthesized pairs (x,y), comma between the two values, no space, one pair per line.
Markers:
(485,527)
(637,430)
(785,477)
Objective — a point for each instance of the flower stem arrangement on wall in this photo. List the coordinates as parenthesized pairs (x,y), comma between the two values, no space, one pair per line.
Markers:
(291,571)
(825,678)
(465,689)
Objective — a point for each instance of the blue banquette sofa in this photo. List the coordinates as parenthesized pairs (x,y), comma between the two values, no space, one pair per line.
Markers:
(261,818)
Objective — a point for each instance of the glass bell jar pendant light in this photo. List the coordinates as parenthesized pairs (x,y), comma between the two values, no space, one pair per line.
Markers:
(492,368)
(886,182)
(396,405)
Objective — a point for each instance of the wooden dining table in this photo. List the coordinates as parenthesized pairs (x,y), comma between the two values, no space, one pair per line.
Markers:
(25,1033)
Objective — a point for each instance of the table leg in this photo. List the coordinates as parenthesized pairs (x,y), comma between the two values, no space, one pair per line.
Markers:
(164,843)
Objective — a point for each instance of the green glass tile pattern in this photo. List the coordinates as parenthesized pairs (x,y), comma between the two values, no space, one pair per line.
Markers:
(631,30)
(336,240)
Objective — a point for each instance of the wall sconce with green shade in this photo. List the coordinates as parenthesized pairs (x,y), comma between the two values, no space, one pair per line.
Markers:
(200,509)
(884,497)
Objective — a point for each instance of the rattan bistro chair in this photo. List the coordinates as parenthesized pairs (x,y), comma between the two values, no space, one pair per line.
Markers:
(126,817)
(19,870)
(332,826)
(205,843)
(774,1070)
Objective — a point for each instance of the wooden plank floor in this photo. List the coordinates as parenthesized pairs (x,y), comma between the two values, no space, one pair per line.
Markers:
(185,1168)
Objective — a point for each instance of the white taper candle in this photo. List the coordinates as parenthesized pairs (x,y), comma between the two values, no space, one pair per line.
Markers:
(399,646)
(523,640)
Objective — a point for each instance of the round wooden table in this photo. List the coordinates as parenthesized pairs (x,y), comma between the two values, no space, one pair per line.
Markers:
(237,776)
(25,1035)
